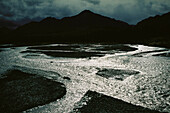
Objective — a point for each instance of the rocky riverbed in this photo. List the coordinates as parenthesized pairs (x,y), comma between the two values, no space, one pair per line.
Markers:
(56,78)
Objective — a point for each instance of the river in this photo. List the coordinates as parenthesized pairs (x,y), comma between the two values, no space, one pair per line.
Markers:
(149,87)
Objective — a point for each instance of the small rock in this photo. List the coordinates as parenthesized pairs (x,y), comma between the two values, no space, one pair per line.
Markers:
(67,78)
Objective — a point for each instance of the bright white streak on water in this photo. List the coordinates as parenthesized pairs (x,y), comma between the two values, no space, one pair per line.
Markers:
(144,89)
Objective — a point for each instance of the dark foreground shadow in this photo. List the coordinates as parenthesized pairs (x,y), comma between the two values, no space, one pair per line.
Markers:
(20,91)
(94,102)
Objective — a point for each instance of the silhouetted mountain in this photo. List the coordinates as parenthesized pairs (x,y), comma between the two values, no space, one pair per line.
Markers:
(85,19)
(23,21)
(50,20)
(89,19)
(3,34)
(155,26)
(4,30)
(7,24)
(84,27)
(91,27)
(156,30)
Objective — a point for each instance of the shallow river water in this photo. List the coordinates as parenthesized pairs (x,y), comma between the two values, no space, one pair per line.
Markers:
(150,87)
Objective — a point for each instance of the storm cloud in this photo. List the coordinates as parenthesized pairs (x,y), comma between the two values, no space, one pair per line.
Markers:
(95,2)
(130,11)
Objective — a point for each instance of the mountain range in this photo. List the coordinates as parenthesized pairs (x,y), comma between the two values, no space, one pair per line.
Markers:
(8,24)
(89,27)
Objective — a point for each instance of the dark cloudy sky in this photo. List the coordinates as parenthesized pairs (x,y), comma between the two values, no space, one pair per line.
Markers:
(130,11)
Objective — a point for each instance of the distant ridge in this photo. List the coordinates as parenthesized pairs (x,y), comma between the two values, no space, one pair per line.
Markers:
(155,26)
(8,24)
(49,20)
(155,30)
(89,27)
(83,27)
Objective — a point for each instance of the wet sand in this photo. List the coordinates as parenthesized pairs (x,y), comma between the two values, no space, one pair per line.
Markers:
(132,79)
(68,54)
(118,74)
(73,47)
(118,47)
(73,51)
(20,91)
(139,54)
(163,54)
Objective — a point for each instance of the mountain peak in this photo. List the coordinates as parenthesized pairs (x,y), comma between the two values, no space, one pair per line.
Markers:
(86,12)
(50,20)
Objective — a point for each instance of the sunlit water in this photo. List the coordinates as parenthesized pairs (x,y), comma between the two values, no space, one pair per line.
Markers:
(150,88)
